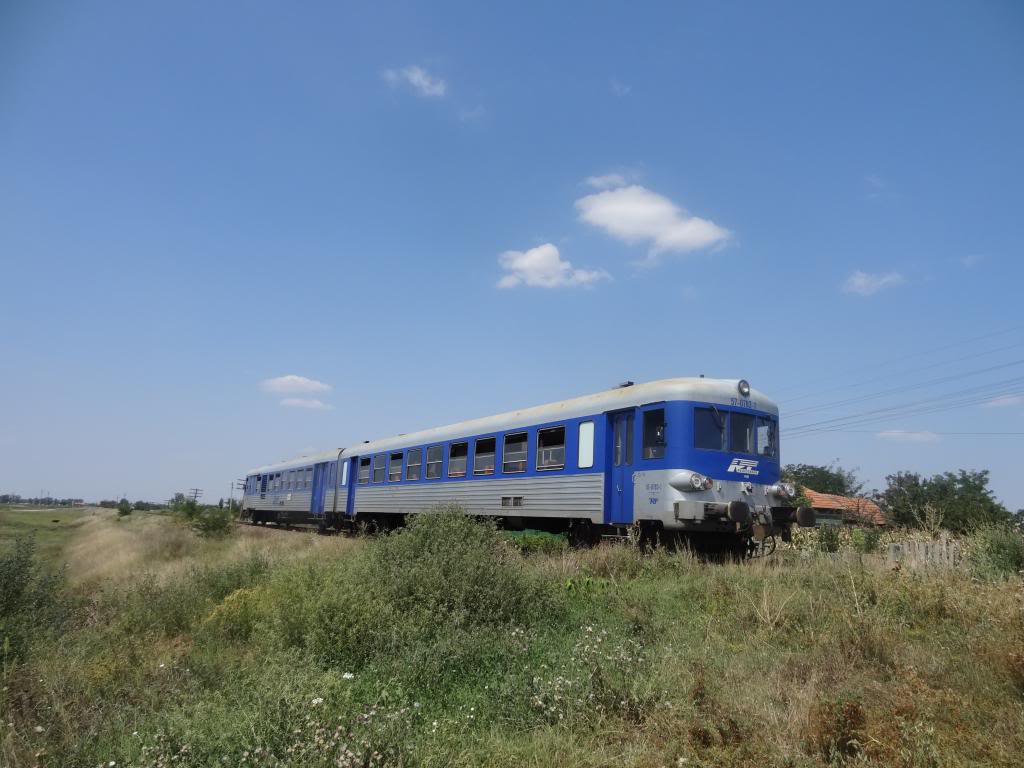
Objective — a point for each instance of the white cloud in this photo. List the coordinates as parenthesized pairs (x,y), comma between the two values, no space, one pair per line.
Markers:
(636,214)
(904,436)
(294,385)
(864,284)
(302,402)
(1004,401)
(619,88)
(608,181)
(419,79)
(543,267)
(972,260)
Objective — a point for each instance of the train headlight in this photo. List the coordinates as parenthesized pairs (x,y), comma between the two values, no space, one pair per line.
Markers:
(744,388)
(688,480)
(784,490)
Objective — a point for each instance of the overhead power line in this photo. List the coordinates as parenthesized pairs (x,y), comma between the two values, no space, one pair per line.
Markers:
(927,432)
(899,374)
(905,388)
(911,356)
(969,396)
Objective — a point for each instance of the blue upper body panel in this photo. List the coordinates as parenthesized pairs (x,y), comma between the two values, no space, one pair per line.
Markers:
(679,451)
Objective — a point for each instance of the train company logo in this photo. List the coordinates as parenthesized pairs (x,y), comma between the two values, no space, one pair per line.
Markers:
(743,466)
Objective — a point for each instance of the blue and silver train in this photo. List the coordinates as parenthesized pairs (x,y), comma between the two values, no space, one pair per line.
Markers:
(690,457)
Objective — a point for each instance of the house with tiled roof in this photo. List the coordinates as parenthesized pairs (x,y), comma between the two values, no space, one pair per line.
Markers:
(844,510)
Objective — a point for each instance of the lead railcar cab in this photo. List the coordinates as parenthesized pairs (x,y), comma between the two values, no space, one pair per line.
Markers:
(690,457)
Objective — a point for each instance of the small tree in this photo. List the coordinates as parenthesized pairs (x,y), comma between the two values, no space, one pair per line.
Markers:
(124,508)
(824,479)
(958,501)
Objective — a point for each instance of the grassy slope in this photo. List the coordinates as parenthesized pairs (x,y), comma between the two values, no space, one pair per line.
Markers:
(441,646)
(52,528)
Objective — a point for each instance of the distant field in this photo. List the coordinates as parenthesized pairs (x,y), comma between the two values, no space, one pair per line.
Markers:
(444,645)
(52,527)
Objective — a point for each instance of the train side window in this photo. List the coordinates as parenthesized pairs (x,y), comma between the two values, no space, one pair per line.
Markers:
(741,433)
(344,472)
(551,448)
(379,465)
(483,456)
(413,464)
(514,453)
(767,437)
(434,458)
(309,476)
(457,455)
(654,434)
(585,453)
(395,467)
(364,471)
(709,429)
(623,440)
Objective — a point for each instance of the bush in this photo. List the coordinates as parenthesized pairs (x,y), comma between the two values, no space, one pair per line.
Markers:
(435,602)
(538,542)
(447,566)
(828,538)
(212,521)
(866,540)
(997,551)
(124,508)
(32,602)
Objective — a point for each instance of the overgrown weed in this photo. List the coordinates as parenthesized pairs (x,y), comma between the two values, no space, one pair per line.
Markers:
(441,644)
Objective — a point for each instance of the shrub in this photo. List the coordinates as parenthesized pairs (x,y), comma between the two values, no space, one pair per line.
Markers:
(448,566)
(997,551)
(436,602)
(866,540)
(212,521)
(828,538)
(32,602)
(538,542)
(124,508)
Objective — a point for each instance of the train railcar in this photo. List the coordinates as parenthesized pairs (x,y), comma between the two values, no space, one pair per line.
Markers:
(689,457)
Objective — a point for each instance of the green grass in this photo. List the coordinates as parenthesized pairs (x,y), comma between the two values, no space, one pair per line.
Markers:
(51,527)
(442,644)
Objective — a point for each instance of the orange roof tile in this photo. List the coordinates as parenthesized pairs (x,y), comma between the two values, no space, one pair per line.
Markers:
(855,509)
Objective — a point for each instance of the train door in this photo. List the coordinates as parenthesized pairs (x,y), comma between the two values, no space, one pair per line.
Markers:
(620,467)
(353,479)
(263,487)
(319,489)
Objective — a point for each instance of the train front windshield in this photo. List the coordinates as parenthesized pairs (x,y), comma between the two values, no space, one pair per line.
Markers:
(719,429)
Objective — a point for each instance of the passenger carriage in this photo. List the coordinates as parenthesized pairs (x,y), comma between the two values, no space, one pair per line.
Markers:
(690,456)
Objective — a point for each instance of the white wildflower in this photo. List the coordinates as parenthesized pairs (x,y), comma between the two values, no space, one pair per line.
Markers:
(347,676)
(317,701)
(38,729)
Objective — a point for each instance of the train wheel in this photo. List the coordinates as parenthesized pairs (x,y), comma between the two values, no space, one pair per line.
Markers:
(651,536)
(582,535)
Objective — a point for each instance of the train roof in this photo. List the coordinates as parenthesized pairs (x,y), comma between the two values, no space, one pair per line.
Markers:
(718,391)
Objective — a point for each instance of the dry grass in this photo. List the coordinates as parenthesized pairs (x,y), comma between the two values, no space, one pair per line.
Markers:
(612,657)
(120,550)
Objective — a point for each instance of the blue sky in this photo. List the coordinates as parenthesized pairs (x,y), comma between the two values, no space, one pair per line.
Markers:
(440,211)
